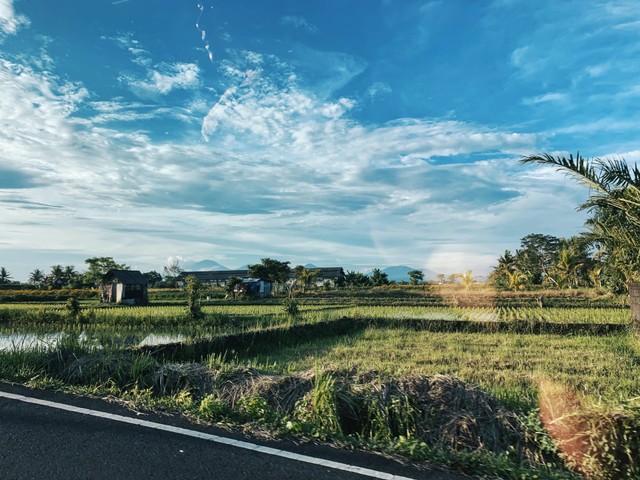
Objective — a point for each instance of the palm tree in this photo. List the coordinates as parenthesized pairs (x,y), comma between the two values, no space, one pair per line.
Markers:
(517,279)
(614,185)
(5,276)
(56,277)
(466,279)
(615,199)
(501,275)
(36,277)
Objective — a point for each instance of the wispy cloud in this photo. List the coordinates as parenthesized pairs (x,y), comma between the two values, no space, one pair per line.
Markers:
(166,77)
(554,97)
(378,89)
(298,22)
(10,21)
(139,54)
(159,79)
(288,163)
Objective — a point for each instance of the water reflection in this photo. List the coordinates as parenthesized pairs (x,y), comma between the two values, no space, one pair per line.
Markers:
(40,338)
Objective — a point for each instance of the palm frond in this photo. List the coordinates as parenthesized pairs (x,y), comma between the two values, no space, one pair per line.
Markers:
(615,172)
(584,170)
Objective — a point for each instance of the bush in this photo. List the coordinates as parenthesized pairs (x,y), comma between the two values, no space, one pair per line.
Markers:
(291,307)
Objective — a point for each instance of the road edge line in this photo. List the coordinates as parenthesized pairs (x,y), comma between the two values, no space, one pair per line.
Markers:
(207,436)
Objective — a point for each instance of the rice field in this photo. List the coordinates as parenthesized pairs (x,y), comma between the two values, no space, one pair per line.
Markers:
(396,340)
(510,366)
(157,315)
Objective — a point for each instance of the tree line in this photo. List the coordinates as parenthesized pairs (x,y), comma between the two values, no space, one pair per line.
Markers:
(276,271)
(606,255)
(67,276)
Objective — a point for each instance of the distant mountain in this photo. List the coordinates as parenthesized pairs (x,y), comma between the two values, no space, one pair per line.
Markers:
(310,265)
(205,266)
(400,273)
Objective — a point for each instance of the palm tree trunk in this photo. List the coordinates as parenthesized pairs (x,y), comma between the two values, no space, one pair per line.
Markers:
(634,299)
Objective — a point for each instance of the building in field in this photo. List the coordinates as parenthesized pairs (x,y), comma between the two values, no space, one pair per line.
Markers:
(128,287)
(216,278)
(253,287)
(332,276)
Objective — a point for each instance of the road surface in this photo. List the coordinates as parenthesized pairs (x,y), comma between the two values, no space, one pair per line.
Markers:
(42,441)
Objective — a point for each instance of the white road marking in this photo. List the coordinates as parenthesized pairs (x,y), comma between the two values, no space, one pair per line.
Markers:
(206,436)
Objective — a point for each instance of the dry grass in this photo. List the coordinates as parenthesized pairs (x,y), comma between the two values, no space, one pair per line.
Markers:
(598,443)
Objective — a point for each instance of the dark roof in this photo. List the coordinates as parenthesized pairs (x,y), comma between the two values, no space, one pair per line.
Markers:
(329,271)
(255,280)
(324,272)
(224,275)
(216,275)
(128,277)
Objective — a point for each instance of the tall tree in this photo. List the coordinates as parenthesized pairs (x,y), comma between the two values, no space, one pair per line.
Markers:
(305,277)
(415,276)
(614,197)
(501,273)
(98,267)
(172,269)
(55,279)
(614,193)
(536,255)
(5,276)
(356,279)
(154,278)
(379,278)
(36,277)
(269,269)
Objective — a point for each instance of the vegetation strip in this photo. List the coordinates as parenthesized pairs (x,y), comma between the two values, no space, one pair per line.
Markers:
(206,436)
(258,341)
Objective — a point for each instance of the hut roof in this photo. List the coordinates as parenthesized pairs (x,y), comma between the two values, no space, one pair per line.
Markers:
(128,277)
(216,275)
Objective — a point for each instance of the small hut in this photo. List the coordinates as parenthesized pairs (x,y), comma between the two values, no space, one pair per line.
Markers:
(254,287)
(128,287)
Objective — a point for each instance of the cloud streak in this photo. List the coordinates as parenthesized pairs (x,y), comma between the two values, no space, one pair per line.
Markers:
(304,150)
(10,22)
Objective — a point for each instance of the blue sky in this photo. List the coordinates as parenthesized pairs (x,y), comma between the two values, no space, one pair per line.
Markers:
(354,133)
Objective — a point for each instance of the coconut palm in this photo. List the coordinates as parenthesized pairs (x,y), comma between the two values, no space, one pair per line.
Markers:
(614,185)
(615,201)
(517,279)
(36,277)
(466,279)
(5,276)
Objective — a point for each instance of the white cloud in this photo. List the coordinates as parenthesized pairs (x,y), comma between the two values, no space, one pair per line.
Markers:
(285,173)
(10,22)
(378,89)
(546,98)
(298,22)
(598,70)
(166,77)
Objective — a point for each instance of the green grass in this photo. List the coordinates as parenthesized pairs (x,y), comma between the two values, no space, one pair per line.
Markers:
(393,335)
(507,365)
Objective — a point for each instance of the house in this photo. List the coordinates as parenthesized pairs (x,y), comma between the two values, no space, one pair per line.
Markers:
(333,275)
(128,287)
(217,278)
(254,287)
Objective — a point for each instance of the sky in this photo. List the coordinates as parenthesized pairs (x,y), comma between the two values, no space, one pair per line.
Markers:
(354,133)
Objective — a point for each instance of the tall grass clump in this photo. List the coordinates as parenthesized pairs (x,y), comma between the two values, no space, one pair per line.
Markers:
(598,442)
(328,406)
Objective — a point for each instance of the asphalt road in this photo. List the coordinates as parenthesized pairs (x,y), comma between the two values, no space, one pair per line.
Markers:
(40,442)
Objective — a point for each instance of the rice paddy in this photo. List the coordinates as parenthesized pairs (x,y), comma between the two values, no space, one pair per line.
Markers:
(508,351)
